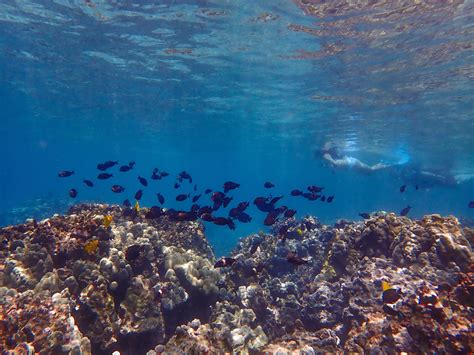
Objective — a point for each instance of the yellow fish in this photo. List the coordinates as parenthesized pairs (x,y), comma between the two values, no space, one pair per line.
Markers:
(137,206)
(385,286)
(91,246)
(107,221)
(299,231)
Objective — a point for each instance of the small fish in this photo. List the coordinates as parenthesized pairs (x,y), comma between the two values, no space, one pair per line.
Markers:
(299,231)
(88,182)
(160,197)
(195,198)
(221,221)
(390,294)
(176,185)
(224,262)
(127,203)
(181,197)
(270,219)
(154,212)
(205,209)
(195,187)
(185,176)
(244,217)
(403,188)
(315,189)
(117,189)
(106,165)
(296,193)
(104,176)
(143,181)
(226,201)
(405,211)
(91,246)
(268,185)
(242,206)
(155,175)
(65,173)
(323,198)
(295,260)
(416,187)
(137,206)
(207,217)
(125,168)
(289,213)
(73,193)
(107,221)
(329,199)
(208,191)
(164,174)
(470,204)
(230,185)
(364,215)
(138,195)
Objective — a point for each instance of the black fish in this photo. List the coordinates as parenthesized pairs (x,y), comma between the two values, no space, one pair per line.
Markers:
(65,173)
(470,204)
(143,181)
(154,212)
(155,176)
(73,193)
(296,192)
(268,185)
(364,215)
(244,217)
(176,185)
(226,201)
(323,198)
(195,198)
(224,262)
(405,211)
(125,168)
(295,260)
(391,295)
(205,209)
(416,187)
(104,176)
(195,187)
(270,219)
(315,189)
(207,217)
(242,206)
(234,212)
(127,203)
(208,191)
(160,197)
(106,165)
(117,189)
(221,221)
(275,199)
(164,174)
(329,199)
(184,175)
(195,208)
(88,182)
(230,185)
(290,213)
(181,197)
(138,195)
(403,188)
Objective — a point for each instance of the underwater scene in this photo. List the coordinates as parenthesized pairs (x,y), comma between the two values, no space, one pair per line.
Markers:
(223,177)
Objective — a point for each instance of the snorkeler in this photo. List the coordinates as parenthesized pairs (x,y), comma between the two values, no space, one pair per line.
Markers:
(332,155)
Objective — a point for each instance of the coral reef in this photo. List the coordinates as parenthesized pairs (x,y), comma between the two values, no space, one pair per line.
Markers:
(146,284)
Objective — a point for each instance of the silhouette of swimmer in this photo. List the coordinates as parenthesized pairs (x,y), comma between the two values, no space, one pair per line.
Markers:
(333,156)
(416,175)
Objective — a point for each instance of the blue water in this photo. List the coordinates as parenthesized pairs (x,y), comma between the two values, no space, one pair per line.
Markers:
(236,90)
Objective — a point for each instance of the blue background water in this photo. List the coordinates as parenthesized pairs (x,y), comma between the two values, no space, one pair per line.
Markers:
(229,90)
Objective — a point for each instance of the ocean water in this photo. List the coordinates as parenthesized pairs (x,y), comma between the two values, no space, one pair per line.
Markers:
(242,91)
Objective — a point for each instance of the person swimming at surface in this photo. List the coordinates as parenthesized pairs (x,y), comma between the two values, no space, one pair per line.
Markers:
(333,156)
